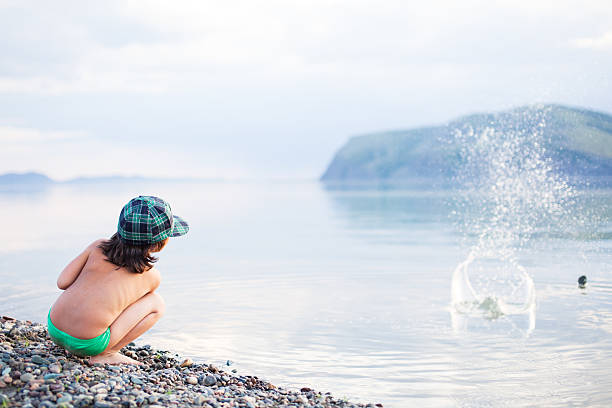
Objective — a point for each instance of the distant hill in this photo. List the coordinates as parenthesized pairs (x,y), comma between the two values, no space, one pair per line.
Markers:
(37,179)
(108,179)
(25,179)
(577,141)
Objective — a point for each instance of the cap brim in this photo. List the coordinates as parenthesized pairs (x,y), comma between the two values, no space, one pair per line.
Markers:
(180,227)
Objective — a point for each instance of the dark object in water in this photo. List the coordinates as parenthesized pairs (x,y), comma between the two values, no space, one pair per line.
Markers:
(582,282)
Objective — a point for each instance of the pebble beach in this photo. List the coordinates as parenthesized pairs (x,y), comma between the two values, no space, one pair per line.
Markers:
(34,372)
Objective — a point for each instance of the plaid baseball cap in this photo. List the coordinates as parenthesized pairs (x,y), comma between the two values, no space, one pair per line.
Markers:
(146,220)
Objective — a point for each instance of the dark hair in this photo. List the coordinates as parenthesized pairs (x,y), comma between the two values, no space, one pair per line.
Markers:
(135,258)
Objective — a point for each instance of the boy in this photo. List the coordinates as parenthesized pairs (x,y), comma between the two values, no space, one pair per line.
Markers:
(109,294)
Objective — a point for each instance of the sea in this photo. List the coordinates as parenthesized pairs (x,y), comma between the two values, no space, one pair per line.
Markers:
(399,295)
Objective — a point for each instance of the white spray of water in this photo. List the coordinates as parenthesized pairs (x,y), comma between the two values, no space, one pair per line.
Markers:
(512,193)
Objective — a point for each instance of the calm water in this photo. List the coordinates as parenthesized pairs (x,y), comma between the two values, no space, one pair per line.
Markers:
(343,290)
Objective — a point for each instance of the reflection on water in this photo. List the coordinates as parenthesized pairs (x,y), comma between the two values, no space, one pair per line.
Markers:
(342,290)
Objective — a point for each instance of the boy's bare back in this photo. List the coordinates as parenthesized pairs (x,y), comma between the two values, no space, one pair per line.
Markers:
(97,292)
(109,296)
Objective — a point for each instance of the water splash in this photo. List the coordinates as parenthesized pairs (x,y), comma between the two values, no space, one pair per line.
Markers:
(511,193)
(492,287)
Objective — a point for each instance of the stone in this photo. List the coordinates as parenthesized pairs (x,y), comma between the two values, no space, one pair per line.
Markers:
(85,400)
(39,360)
(210,380)
(152,399)
(55,368)
(98,388)
(27,377)
(192,380)
(187,363)
(135,380)
(65,398)
(55,388)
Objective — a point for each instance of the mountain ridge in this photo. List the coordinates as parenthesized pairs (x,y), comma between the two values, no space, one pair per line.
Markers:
(578,140)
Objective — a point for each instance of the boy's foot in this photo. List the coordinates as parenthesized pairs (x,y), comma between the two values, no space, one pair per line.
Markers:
(113,358)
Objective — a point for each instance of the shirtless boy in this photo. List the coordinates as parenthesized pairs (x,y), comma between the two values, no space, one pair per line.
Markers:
(109,296)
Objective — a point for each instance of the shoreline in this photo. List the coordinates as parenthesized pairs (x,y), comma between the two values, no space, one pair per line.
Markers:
(34,372)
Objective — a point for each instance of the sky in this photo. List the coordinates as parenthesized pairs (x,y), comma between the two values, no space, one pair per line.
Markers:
(271,89)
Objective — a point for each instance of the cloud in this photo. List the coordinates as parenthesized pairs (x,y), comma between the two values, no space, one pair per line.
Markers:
(601,42)
(19,136)
(275,86)
(143,46)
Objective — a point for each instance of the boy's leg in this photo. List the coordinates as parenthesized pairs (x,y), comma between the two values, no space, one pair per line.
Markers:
(136,319)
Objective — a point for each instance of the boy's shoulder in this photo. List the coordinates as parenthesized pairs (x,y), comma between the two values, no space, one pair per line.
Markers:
(154,277)
(95,244)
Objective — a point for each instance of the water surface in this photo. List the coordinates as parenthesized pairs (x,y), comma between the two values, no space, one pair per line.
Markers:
(344,290)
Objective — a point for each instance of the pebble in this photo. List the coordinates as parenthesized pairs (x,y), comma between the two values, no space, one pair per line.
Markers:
(135,379)
(187,363)
(50,376)
(210,380)
(39,360)
(54,378)
(65,398)
(27,377)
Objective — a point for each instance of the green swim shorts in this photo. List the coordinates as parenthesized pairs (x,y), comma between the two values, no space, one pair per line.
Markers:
(80,347)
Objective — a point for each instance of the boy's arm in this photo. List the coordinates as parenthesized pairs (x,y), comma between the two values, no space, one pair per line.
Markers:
(154,278)
(72,270)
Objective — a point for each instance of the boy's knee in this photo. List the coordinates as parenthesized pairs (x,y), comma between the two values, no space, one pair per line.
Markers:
(159,305)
